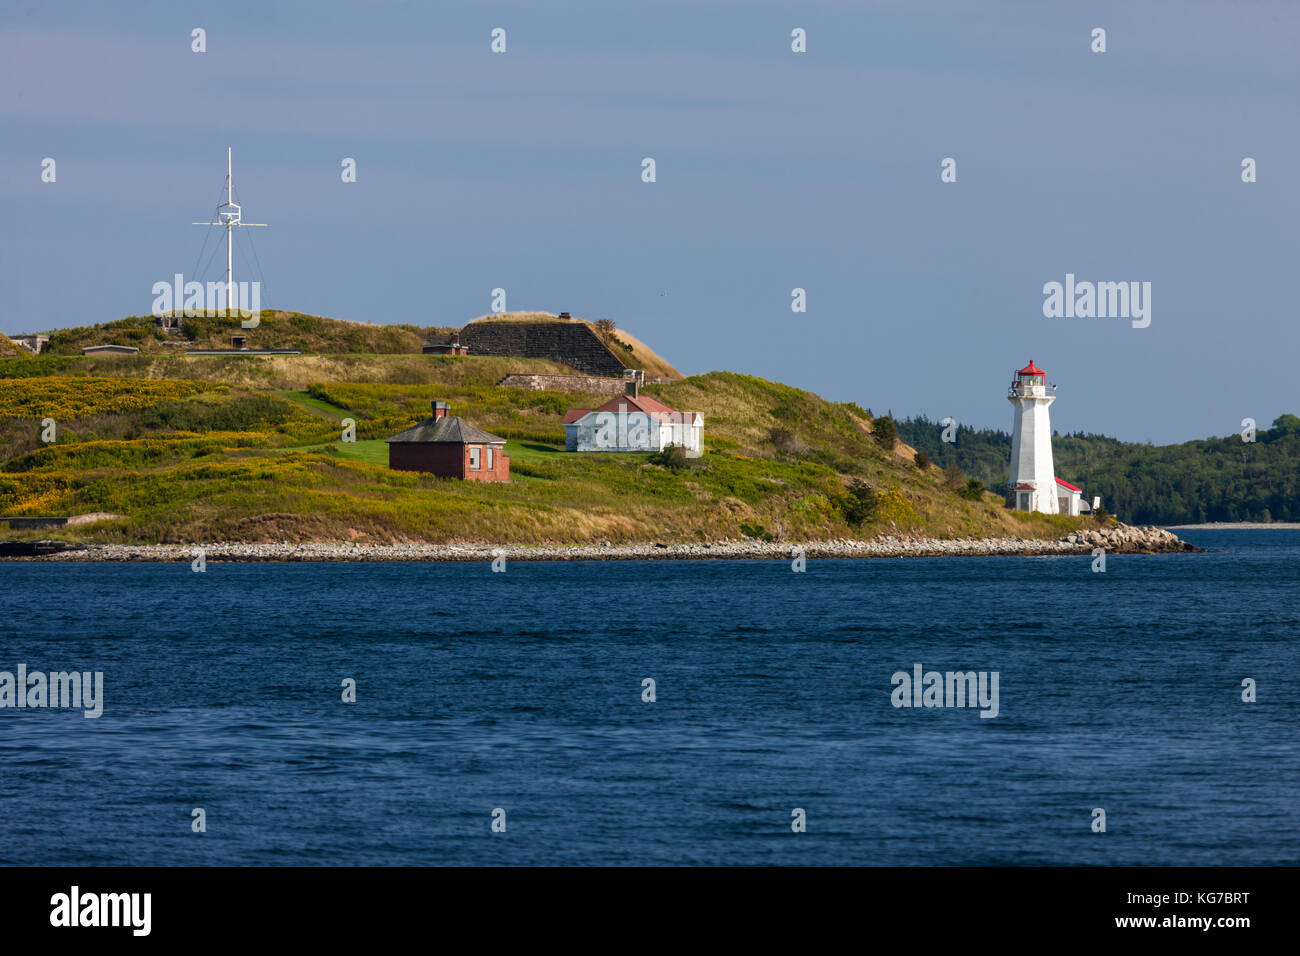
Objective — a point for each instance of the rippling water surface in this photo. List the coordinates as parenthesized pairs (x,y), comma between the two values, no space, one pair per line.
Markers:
(523,691)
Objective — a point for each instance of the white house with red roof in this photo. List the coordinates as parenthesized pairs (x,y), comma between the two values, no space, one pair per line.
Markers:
(633,422)
(1033,485)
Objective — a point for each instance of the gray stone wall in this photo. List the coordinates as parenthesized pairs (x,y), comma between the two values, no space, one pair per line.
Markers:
(573,344)
(564,383)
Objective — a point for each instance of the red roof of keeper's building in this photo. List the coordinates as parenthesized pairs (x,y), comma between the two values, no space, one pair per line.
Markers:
(642,403)
(1068,485)
(1031,369)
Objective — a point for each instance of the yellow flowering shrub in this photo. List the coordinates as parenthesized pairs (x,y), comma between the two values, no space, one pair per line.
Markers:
(892,506)
(64,399)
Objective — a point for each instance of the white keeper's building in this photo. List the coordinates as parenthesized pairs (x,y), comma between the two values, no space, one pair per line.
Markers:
(633,422)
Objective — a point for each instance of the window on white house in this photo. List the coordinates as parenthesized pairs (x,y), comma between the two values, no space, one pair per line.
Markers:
(475,453)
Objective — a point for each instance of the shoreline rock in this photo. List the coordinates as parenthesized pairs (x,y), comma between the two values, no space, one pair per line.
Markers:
(1118,539)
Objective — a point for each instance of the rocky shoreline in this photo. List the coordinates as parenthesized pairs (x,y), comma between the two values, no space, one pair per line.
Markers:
(1118,539)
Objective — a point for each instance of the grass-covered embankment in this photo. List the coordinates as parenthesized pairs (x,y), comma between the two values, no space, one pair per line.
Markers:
(201,449)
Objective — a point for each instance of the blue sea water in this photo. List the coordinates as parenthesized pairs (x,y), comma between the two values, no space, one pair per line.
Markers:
(523,691)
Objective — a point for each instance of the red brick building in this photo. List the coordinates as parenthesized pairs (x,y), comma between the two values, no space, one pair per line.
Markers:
(451,347)
(449,447)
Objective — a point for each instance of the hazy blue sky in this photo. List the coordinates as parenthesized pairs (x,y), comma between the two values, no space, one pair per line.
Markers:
(775,170)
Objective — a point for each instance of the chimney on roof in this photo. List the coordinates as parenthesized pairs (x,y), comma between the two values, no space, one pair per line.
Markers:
(440,410)
(633,378)
(632,388)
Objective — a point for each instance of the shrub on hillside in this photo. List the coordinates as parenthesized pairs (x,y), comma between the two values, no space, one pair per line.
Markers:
(785,440)
(550,403)
(32,366)
(673,457)
(885,432)
(240,414)
(922,460)
(860,505)
(892,505)
(69,398)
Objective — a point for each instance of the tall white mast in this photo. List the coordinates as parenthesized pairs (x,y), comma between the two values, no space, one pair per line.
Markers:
(229,215)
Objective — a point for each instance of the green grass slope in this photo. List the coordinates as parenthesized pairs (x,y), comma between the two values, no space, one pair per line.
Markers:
(276,330)
(190,450)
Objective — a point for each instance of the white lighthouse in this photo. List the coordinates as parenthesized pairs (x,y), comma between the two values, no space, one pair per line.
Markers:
(1033,485)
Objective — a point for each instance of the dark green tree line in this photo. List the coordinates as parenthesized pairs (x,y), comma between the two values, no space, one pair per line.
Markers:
(1214,479)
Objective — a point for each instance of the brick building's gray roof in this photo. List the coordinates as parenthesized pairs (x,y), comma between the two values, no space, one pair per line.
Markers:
(447,429)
